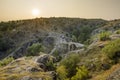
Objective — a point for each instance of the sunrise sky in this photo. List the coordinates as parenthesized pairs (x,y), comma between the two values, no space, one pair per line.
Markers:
(27,9)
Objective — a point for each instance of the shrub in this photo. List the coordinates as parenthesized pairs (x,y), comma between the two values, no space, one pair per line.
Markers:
(50,65)
(104,36)
(82,74)
(70,64)
(74,38)
(118,32)
(62,73)
(81,34)
(5,44)
(57,55)
(35,49)
(112,50)
(6,61)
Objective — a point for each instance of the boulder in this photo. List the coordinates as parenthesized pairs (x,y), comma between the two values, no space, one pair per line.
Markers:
(53,75)
(33,69)
(31,78)
(105,66)
(21,51)
(26,78)
(115,36)
(44,59)
(42,66)
(115,75)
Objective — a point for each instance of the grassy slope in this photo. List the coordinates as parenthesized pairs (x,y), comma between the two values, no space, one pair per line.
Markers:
(105,74)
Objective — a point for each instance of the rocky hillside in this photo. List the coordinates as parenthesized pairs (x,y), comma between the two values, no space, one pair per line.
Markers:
(59,49)
(18,35)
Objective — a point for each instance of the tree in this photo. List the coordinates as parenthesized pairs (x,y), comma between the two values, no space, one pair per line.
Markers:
(70,64)
(62,73)
(35,49)
(104,36)
(112,50)
(6,61)
(81,74)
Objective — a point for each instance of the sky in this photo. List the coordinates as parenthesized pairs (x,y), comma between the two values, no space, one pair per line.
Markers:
(25,9)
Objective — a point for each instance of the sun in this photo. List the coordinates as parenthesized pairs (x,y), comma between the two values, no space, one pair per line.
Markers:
(35,12)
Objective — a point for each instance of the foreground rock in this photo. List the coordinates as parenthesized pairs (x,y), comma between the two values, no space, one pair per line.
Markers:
(28,68)
(115,75)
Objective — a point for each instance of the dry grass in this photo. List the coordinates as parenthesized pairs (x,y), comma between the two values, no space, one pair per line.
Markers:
(18,69)
(106,73)
(10,76)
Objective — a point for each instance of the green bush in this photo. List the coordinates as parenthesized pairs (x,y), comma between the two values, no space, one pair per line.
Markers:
(50,65)
(6,61)
(70,64)
(62,73)
(74,38)
(118,32)
(57,55)
(112,50)
(81,74)
(81,34)
(104,36)
(35,49)
(6,26)
(5,44)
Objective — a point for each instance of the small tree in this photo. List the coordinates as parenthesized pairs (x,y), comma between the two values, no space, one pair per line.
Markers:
(82,74)
(35,49)
(112,50)
(62,73)
(50,65)
(104,36)
(71,63)
(57,55)
(118,31)
(6,61)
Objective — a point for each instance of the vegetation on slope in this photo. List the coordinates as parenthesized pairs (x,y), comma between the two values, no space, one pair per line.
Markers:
(78,30)
(104,36)
(112,50)
(87,64)
(35,49)
(6,61)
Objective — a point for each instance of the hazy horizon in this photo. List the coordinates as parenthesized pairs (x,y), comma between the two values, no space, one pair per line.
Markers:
(28,9)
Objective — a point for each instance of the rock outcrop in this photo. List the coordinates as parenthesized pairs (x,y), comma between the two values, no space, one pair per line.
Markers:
(20,51)
(54,41)
(30,68)
(115,75)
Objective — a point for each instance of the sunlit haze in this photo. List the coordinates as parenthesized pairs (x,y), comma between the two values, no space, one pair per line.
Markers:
(28,9)
(36,12)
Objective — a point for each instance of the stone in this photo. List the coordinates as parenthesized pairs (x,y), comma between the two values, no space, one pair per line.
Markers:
(31,78)
(44,59)
(26,78)
(33,69)
(41,65)
(105,66)
(53,74)
(115,75)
